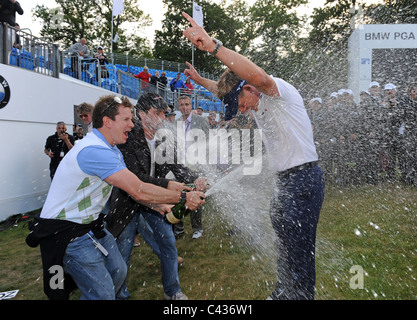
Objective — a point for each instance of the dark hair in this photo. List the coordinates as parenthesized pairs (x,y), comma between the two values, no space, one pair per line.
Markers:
(151,100)
(107,106)
(85,107)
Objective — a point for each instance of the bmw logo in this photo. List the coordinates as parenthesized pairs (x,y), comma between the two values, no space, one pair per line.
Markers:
(4,92)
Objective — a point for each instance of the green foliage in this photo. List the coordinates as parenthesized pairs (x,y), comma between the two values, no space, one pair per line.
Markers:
(225,23)
(309,52)
(92,19)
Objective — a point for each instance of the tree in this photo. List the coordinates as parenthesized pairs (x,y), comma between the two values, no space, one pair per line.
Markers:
(277,26)
(92,19)
(392,11)
(223,23)
(323,57)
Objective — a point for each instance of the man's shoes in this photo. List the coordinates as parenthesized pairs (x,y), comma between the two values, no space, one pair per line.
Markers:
(197,234)
(178,233)
(136,242)
(177,296)
(180,260)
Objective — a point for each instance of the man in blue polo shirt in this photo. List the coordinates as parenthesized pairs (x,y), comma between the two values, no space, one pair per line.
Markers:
(177,83)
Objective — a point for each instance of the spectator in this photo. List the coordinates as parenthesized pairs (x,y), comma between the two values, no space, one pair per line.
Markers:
(332,100)
(102,60)
(408,158)
(375,91)
(144,77)
(163,81)
(78,51)
(369,135)
(154,81)
(57,146)
(393,117)
(170,117)
(349,152)
(189,85)
(16,42)
(200,111)
(212,120)
(155,78)
(191,121)
(8,9)
(328,137)
(84,111)
(177,83)
(78,132)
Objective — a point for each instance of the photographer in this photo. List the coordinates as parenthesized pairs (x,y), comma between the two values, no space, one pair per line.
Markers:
(57,146)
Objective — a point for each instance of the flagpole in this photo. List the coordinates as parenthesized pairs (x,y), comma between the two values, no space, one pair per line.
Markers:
(192,55)
(198,17)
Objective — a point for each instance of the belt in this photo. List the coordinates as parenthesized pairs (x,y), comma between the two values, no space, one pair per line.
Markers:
(293,170)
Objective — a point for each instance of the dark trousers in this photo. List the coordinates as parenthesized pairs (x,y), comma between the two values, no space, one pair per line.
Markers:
(295,208)
(196,223)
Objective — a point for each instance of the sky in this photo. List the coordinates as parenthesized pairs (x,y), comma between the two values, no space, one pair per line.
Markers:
(154,8)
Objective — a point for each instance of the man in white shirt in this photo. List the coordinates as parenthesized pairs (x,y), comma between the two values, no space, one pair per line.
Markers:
(279,111)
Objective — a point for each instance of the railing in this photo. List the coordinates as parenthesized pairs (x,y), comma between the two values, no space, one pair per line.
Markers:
(21,49)
(129,60)
(116,79)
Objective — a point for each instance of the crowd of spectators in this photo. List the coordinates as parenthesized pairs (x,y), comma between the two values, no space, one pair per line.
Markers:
(372,141)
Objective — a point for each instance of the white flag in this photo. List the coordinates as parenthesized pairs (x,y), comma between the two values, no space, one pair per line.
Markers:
(118,7)
(198,14)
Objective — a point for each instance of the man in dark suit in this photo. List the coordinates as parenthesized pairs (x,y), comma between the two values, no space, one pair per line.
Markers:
(123,218)
(188,122)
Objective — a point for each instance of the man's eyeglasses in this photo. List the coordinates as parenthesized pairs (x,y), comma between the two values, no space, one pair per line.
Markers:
(115,100)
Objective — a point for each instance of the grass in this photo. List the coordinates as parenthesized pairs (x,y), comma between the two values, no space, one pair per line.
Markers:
(372,227)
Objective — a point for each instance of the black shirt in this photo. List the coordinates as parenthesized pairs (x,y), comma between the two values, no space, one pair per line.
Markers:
(56,145)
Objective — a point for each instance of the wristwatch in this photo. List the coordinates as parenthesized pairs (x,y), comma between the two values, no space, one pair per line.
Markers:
(218,45)
(183,198)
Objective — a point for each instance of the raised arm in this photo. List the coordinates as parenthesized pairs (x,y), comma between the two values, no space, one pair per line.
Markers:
(209,84)
(240,65)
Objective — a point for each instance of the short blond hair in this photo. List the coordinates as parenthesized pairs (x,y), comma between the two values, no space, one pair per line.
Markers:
(226,83)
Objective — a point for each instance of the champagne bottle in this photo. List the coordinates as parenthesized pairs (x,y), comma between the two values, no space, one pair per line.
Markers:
(192,186)
(178,212)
